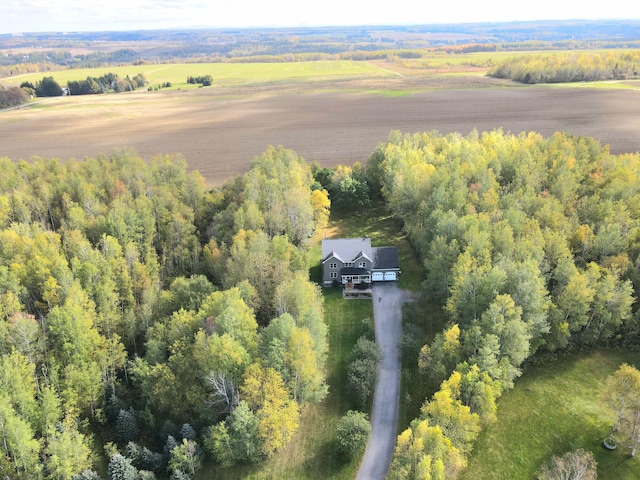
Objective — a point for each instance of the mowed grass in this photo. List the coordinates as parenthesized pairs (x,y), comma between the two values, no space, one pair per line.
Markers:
(377,223)
(553,409)
(224,74)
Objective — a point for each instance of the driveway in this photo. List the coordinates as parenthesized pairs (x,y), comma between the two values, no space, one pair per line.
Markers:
(387,315)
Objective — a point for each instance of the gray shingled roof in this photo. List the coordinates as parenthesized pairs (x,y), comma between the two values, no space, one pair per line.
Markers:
(385,258)
(346,248)
(353,271)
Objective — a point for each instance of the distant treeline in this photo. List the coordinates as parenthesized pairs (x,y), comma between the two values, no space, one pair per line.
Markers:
(49,87)
(68,59)
(570,67)
(204,80)
(54,50)
(282,50)
(105,83)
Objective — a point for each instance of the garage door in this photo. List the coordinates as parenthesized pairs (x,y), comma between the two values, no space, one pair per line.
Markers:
(377,276)
(389,275)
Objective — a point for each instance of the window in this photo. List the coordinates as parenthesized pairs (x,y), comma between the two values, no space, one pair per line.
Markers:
(333,266)
(348,264)
(334,275)
(362,264)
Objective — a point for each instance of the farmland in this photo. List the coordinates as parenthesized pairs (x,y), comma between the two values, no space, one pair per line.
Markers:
(225,74)
(336,112)
(332,112)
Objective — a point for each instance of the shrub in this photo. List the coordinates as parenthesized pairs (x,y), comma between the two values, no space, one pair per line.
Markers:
(353,433)
(10,97)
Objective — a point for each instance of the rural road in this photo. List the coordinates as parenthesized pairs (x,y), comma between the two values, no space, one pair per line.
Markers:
(387,316)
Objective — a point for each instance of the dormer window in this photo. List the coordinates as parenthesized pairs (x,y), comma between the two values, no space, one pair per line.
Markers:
(362,265)
(348,264)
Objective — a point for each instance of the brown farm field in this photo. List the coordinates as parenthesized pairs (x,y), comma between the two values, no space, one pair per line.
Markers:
(219,133)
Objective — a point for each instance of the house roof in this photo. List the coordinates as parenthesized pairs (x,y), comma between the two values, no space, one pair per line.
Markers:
(346,249)
(332,255)
(354,271)
(361,255)
(385,258)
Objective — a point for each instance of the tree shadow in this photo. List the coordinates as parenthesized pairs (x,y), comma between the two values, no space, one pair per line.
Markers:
(328,462)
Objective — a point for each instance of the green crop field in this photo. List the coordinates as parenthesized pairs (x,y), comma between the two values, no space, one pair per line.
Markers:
(224,74)
(553,409)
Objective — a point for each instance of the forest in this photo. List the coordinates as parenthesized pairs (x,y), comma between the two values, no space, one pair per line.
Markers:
(570,67)
(148,324)
(530,245)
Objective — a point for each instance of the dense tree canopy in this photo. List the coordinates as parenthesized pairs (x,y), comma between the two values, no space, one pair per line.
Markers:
(529,243)
(129,296)
(570,67)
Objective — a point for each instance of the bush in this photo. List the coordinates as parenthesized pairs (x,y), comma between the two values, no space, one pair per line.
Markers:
(353,433)
(11,97)
(363,370)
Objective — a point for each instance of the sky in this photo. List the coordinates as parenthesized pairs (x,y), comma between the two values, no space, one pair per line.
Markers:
(79,15)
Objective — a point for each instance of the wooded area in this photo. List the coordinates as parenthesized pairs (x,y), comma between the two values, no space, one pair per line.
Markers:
(154,320)
(530,245)
(150,325)
(570,67)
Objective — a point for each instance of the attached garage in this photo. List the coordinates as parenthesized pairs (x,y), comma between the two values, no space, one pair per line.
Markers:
(377,276)
(390,276)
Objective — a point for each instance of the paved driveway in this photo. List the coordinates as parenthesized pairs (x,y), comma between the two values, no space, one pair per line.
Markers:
(387,315)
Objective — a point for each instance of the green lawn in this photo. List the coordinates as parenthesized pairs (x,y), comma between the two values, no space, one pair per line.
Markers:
(224,74)
(384,230)
(553,409)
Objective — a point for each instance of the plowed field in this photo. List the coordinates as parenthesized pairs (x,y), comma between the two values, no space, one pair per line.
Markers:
(219,136)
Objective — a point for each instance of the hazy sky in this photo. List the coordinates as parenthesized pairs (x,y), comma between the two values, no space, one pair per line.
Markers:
(81,15)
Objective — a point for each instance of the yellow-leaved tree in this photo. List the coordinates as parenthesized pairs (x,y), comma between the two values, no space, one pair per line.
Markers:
(278,415)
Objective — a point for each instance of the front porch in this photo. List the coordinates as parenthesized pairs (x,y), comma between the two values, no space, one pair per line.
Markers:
(357,290)
(354,276)
(355,279)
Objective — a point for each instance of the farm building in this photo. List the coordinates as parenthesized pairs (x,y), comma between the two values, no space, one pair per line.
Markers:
(355,261)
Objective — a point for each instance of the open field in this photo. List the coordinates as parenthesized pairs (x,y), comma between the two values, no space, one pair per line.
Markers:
(220,134)
(553,409)
(225,74)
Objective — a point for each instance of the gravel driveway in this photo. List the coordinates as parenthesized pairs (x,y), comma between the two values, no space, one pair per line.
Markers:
(387,315)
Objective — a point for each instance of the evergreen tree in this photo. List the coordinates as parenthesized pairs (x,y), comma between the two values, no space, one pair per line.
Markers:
(120,468)
(127,425)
